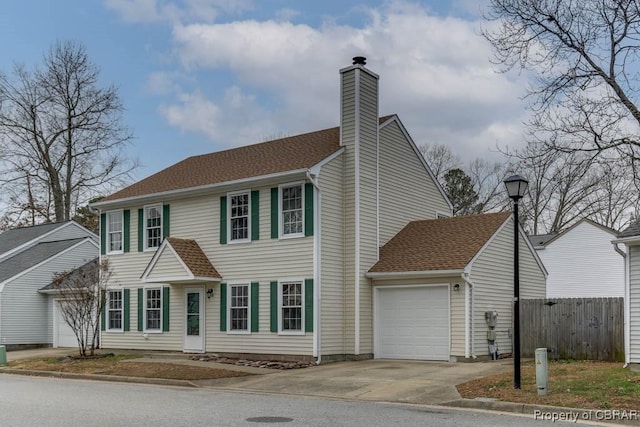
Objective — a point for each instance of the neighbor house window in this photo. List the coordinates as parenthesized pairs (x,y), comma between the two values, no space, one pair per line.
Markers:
(153,226)
(291,307)
(239,217)
(114,231)
(239,308)
(114,310)
(153,309)
(291,210)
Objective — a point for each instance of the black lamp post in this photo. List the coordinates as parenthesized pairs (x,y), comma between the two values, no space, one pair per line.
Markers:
(516,187)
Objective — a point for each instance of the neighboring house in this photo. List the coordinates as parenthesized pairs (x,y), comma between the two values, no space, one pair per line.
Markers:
(581,261)
(267,250)
(29,258)
(630,238)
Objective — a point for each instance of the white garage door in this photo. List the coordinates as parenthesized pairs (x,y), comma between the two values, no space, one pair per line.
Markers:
(413,323)
(63,334)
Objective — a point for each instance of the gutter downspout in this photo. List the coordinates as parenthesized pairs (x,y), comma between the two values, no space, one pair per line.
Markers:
(469,311)
(317,249)
(627,305)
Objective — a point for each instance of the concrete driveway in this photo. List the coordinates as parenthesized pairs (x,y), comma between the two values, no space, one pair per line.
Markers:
(375,380)
(399,381)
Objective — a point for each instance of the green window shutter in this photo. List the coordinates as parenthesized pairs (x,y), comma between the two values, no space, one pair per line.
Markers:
(103,233)
(126,225)
(274,307)
(140,309)
(140,230)
(254,306)
(166,221)
(165,309)
(255,215)
(103,315)
(125,313)
(223,307)
(308,305)
(308,209)
(274,213)
(223,220)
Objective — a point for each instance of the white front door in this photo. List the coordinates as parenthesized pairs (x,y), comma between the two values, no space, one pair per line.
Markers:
(194,320)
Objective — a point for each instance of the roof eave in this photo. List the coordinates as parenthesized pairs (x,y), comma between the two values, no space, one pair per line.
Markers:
(413,274)
(194,190)
(628,240)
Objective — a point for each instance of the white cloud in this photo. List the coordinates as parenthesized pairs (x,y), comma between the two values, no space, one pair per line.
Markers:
(435,73)
(147,11)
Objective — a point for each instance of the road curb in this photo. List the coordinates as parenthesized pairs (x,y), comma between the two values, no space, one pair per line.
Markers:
(532,409)
(99,377)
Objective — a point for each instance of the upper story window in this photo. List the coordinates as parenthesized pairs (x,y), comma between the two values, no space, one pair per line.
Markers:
(239,217)
(292,210)
(152,226)
(114,232)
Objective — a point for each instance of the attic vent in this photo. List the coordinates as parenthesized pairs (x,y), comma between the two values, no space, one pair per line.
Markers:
(359,60)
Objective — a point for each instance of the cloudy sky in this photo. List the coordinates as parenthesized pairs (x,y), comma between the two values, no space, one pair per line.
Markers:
(198,76)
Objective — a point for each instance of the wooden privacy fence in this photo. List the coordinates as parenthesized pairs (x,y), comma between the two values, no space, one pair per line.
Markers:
(573,328)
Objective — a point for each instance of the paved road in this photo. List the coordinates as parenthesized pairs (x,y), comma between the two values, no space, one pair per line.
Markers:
(30,401)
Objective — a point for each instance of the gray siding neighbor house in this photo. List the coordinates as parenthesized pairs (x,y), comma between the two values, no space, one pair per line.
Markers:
(29,258)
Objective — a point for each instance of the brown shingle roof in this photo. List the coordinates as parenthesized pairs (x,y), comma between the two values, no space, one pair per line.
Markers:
(438,244)
(281,155)
(191,253)
(286,154)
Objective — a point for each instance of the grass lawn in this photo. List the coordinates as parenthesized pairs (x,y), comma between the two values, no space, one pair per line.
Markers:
(576,384)
(122,365)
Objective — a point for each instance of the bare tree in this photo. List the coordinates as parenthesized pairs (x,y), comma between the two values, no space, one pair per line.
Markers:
(583,55)
(82,298)
(440,159)
(62,134)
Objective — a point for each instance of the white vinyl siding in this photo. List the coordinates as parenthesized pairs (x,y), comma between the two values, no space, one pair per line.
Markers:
(400,167)
(332,264)
(582,263)
(27,316)
(167,266)
(634,304)
(492,275)
(262,261)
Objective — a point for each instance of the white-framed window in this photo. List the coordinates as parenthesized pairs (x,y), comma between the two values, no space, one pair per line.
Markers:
(291,310)
(239,311)
(153,309)
(115,310)
(114,232)
(292,210)
(152,226)
(239,219)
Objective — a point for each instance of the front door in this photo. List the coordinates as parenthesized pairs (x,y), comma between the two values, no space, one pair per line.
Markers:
(194,320)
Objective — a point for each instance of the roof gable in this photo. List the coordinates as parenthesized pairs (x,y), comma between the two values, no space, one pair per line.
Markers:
(438,244)
(544,240)
(193,263)
(631,231)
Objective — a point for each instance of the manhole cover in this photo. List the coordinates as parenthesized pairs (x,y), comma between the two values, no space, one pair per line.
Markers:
(269,420)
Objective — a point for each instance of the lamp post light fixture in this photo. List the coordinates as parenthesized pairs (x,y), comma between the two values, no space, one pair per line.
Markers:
(516,188)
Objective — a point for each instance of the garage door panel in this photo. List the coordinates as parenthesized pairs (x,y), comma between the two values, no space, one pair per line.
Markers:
(65,337)
(413,323)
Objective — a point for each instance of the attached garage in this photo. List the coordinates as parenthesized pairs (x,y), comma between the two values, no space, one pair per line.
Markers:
(63,335)
(412,322)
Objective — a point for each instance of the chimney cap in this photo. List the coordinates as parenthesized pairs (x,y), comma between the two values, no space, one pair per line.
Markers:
(359,60)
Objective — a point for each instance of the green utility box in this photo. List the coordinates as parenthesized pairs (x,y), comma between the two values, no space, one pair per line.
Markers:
(3,355)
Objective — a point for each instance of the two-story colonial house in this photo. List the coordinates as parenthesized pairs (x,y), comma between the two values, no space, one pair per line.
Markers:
(274,250)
